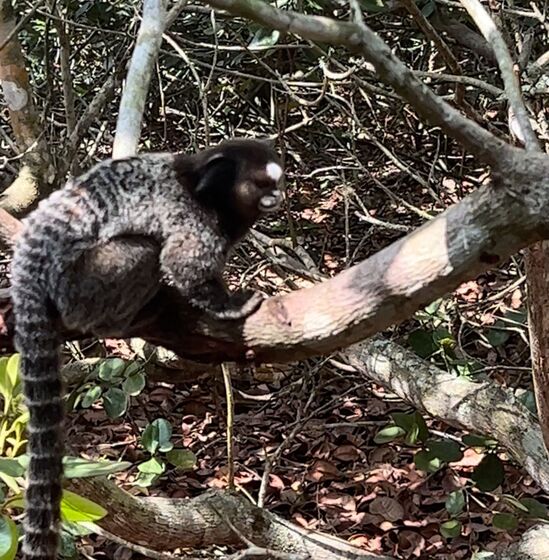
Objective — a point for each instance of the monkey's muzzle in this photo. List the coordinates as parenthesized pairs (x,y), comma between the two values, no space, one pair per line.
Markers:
(271,202)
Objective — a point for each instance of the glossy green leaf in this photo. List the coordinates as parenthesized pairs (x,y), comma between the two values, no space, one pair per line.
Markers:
(489,473)
(134,384)
(157,435)
(455,502)
(5,382)
(91,396)
(12,371)
(77,509)
(446,450)
(426,461)
(422,343)
(144,480)
(115,402)
(505,521)
(450,529)
(389,433)
(181,458)
(472,440)
(111,368)
(265,38)
(535,508)
(11,467)
(8,538)
(152,466)
(75,467)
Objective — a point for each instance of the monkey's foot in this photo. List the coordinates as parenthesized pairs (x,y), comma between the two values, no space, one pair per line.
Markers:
(239,306)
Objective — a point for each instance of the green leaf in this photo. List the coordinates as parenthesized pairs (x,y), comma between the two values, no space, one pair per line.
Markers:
(422,343)
(482,555)
(414,424)
(446,450)
(8,538)
(450,529)
(144,480)
(265,38)
(77,509)
(390,433)
(514,502)
(181,458)
(5,382)
(455,502)
(152,466)
(497,337)
(12,371)
(426,461)
(111,368)
(157,435)
(75,467)
(505,521)
(91,396)
(11,467)
(134,384)
(10,482)
(489,473)
(115,402)
(535,508)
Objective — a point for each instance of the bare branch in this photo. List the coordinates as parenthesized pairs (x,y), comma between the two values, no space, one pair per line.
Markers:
(132,105)
(389,68)
(505,62)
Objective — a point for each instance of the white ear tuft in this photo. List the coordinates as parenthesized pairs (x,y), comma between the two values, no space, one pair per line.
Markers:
(274,171)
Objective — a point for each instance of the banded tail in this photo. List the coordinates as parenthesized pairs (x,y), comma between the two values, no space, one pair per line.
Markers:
(37,341)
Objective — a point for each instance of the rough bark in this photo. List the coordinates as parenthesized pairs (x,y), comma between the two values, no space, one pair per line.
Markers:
(201,522)
(480,407)
(34,176)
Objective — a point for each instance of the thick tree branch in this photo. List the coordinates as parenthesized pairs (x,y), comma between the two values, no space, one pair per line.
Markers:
(200,522)
(36,173)
(479,407)
(472,236)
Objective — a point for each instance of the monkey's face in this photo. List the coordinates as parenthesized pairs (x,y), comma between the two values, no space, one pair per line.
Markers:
(259,190)
(241,180)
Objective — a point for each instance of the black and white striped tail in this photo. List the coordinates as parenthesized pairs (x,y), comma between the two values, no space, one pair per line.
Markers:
(37,342)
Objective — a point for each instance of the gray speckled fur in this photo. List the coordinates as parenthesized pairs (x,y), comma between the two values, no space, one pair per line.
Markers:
(151,195)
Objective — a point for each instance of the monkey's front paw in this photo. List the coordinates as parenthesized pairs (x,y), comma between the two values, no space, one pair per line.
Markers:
(241,305)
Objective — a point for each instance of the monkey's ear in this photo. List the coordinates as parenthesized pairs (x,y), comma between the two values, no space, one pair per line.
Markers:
(216,179)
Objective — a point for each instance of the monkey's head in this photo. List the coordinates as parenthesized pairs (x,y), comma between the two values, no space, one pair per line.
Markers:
(240,180)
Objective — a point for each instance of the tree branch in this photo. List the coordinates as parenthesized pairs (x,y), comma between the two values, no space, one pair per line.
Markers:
(390,69)
(134,96)
(469,238)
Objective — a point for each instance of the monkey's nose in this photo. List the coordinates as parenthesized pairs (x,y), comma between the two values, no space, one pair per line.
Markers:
(271,202)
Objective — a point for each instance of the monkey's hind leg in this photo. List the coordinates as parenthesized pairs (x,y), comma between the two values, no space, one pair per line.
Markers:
(104,289)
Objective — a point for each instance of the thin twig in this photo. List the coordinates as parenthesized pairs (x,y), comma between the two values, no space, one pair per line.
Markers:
(230,423)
